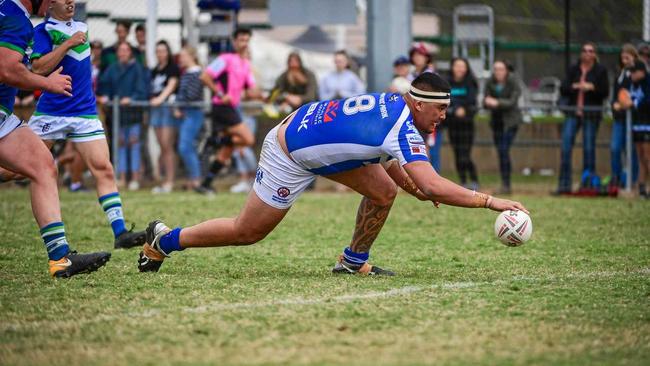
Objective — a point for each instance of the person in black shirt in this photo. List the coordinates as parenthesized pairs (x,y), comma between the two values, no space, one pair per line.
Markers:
(460,119)
(164,81)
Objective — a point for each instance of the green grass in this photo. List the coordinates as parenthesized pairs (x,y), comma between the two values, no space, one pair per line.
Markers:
(578,293)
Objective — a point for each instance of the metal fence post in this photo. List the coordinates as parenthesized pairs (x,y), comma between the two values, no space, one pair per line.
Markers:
(115,138)
(628,151)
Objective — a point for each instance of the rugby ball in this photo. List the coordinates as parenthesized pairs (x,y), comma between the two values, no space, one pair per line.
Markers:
(513,228)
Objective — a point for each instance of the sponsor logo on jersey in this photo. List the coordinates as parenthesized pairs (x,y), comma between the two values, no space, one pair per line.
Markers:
(382,106)
(330,111)
(410,126)
(418,150)
(393,98)
(305,119)
(413,138)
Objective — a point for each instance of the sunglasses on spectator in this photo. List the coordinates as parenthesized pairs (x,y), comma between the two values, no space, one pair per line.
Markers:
(588,50)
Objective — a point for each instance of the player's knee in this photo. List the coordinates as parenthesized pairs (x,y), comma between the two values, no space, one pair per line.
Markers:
(103,171)
(44,169)
(386,195)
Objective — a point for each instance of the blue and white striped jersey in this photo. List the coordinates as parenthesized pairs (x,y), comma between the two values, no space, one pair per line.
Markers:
(334,136)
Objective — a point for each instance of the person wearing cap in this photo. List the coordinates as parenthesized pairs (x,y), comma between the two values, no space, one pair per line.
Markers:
(421,60)
(371,143)
(401,76)
(640,99)
(583,92)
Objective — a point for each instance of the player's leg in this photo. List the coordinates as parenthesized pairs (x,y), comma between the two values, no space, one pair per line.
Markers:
(38,165)
(94,152)
(379,192)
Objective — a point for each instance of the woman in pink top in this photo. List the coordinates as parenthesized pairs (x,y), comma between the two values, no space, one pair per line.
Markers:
(227,77)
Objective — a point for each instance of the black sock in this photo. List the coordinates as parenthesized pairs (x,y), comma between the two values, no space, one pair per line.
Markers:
(215,168)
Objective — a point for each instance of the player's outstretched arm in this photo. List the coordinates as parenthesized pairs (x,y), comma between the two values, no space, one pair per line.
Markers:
(14,73)
(399,176)
(442,190)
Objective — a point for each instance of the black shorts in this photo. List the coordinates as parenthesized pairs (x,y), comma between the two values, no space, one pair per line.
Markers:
(641,136)
(224,116)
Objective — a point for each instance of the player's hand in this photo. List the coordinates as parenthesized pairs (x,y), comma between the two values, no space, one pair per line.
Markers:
(59,84)
(499,204)
(178,113)
(125,101)
(77,39)
(460,112)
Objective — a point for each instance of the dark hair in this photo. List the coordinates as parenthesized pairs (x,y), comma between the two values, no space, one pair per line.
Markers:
(170,57)
(296,55)
(140,28)
(347,57)
(241,31)
(124,23)
(431,82)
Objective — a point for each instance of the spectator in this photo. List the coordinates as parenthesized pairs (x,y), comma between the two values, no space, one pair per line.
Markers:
(627,59)
(190,90)
(109,54)
(141,40)
(640,95)
(245,161)
(341,83)
(501,96)
(401,76)
(583,90)
(227,77)
(164,81)
(460,119)
(421,59)
(644,53)
(96,61)
(296,86)
(126,80)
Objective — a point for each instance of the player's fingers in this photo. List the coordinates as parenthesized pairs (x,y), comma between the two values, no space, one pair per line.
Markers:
(521,207)
(58,71)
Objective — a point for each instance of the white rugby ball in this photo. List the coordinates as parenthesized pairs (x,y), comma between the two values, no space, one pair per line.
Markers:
(513,228)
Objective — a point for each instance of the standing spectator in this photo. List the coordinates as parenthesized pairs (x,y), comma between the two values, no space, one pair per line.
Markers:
(296,86)
(401,76)
(421,59)
(141,40)
(627,59)
(644,53)
(342,82)
(460,119)
(584,90)
(164,81)
(126,80)
(190,90)
(501,96)
(109,54)
(227,77)
(640,95)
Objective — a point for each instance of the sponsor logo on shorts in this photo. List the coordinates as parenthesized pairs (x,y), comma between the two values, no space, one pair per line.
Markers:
(283,192)
(46,127)
(259,175)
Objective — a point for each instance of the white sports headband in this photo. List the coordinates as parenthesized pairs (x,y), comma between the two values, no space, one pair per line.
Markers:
(429,97)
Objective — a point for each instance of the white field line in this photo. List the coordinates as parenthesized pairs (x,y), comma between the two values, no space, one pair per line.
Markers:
(317,301)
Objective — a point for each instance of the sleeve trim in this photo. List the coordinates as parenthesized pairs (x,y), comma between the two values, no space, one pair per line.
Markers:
(12,47)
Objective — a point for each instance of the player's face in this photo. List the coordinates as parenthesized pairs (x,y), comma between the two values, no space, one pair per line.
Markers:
(427,116)
(240,43)
(62,9)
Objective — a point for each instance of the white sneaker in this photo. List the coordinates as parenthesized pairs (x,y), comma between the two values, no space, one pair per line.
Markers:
(134,185)
(241,187)
(162,189)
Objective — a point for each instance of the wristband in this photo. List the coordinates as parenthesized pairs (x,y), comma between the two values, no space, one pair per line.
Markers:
(480,200)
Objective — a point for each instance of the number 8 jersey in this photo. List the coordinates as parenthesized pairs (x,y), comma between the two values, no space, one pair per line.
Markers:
(334,136)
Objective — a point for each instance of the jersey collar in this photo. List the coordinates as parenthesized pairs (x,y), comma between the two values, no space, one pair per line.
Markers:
(20,5)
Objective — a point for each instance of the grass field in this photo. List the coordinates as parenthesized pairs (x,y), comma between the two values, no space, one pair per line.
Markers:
(578,293)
